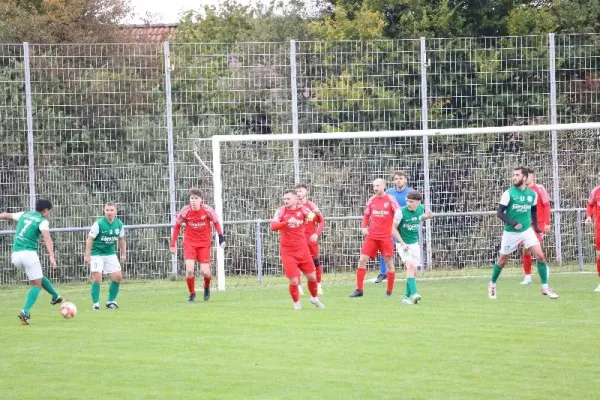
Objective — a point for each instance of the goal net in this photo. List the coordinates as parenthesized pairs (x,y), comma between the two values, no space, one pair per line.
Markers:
(461,172)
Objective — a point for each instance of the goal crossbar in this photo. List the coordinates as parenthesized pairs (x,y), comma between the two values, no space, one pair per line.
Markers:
(218,139)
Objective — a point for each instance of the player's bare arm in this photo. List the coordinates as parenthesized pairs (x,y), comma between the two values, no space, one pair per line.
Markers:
(174,236)
(428,215)
(123,249)
(88,250)
(49,247)
(6,216)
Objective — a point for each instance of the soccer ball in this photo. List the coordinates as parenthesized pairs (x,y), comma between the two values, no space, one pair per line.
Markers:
(68,309)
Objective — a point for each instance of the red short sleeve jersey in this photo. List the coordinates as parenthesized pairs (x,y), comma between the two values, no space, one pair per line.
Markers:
(379,216)
(198,225)
(593,206)
(542,205)
(293,237)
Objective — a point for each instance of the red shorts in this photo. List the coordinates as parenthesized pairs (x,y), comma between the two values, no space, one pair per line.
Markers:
(200,254)
(314,248)
(371,246)
(296,262)
(597,236)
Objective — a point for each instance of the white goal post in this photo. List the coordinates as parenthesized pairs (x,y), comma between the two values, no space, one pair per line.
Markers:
(471,145)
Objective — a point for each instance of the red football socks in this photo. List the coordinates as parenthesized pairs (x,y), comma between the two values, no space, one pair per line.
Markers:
(319,273)
(360,278)
(527,263)
(391,277)
(294,293)
(312,288)
(191,283)
(207,281)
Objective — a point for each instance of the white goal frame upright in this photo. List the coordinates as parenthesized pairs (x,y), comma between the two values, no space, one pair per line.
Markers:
(424,133)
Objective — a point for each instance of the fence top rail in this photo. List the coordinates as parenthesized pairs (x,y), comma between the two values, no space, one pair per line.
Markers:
(407,133)
(266,221)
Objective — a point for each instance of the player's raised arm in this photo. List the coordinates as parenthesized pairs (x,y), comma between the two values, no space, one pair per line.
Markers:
(10,216)
(276,223)
(501,214)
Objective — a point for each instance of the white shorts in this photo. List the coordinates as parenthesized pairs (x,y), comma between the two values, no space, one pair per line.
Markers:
(512,240)
(413,254)
(29,261)
(105,264)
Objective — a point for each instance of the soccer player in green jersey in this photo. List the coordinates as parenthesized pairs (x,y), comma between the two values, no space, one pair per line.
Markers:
(101,254)
(406,231)
(517,209)
(30,226)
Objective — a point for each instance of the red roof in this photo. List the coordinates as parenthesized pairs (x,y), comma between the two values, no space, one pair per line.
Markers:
(151,33)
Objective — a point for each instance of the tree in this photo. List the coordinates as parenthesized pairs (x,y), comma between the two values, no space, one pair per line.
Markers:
(61,21)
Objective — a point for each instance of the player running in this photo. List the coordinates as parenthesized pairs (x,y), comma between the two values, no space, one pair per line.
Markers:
(30,226)
(291,220)
(518,211)
(377,225)
(593,215)
(197,218)
(544,222)
(105,236)
(406,231)
(399,191)
(313,231)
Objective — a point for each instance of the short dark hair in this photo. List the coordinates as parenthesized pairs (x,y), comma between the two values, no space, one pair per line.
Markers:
(42,205)
(524,171)
(401,173)
(293,191)
(414,195)
(195,192)
(530,170)
(301,186)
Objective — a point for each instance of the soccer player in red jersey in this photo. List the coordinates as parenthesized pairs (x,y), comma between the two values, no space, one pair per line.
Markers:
(196,240)
(291,220)
(593,214)
(313,231)
(544,222)
(377,225)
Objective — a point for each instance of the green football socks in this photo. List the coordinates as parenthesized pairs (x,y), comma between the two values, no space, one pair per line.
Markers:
(496,273)
(95,291)
(113,290)
(32,297)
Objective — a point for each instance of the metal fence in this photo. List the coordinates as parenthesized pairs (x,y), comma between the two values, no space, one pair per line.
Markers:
(83,124)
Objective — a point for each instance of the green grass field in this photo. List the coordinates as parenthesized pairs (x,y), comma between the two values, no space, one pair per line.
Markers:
(251,344)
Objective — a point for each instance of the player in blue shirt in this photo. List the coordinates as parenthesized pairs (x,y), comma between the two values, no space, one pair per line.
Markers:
(399,191)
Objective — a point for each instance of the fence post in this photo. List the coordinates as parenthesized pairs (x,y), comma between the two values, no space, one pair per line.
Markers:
(294,89)
(218,199)
(259,252)
(29,111)
(424,126)
(555,174)
(170,148)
